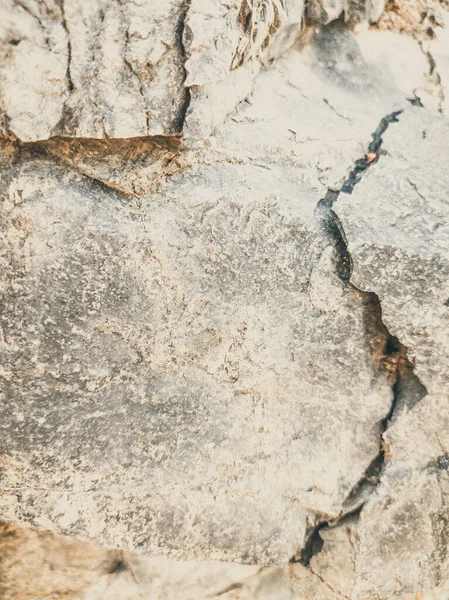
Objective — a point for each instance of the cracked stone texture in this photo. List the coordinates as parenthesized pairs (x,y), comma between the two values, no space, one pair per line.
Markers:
(186,371)
(403,529)
(91,69)
(400,246)
(158,408)
(121,69)
(395,226)
(173,364)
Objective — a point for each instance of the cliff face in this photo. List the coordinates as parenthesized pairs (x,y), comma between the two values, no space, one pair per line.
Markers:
(224,278)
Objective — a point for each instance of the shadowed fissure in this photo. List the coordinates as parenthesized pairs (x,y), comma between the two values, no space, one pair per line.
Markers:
(180,35)
(394,354)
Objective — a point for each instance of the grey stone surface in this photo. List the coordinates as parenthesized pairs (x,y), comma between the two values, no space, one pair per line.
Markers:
(181,375)
(394,223)
(193,358)
(402,530)
(166,366)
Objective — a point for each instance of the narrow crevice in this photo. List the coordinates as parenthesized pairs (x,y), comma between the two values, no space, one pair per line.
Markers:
(313,545)
(314,542)
(388,355)
(70,85)
(180,35)
(396,362)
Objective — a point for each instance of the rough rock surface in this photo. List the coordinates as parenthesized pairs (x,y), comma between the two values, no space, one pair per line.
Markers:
(229,348)
(402,530)
(394,224)
(400,246)
(173,365)
(120,69)
(395,227)
(91,69)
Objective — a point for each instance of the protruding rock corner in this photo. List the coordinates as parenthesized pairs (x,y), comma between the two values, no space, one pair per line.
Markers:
(224,324)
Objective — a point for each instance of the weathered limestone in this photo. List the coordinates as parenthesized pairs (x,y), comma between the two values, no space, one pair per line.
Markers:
(173,365)
(91,69)
(226,49)
(121,69)
(402,530)
(395,227)
(229,345)
(149,381)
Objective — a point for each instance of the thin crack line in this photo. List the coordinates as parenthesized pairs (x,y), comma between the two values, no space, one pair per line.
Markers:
(326,101)
(70,85)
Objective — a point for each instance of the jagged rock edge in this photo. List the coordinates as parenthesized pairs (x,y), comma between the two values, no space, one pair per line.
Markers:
(332,228)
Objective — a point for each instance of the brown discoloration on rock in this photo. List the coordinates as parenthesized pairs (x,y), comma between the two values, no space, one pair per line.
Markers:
(417,18)
(132,166)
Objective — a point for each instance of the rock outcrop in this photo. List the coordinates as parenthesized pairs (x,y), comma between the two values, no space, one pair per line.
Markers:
(229,344)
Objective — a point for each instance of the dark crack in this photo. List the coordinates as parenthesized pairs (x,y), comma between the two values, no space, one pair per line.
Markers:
(333,109)
(30,12)
(314,542)
(388,354)
(70,85)
(180,40)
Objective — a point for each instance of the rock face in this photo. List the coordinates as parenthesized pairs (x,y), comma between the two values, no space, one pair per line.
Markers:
(395,224)
(231,347)
(92,69)
(124,69)
(195,369)
(185,353)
